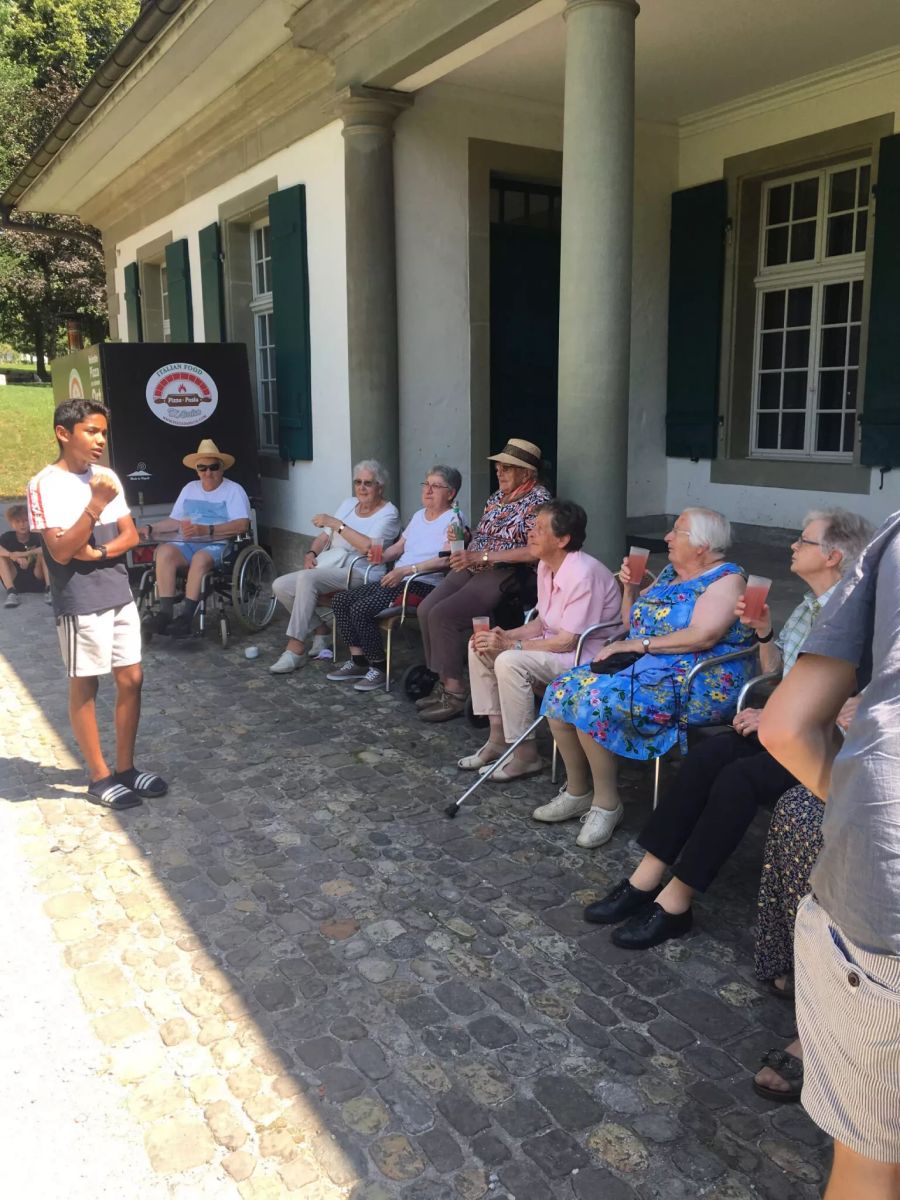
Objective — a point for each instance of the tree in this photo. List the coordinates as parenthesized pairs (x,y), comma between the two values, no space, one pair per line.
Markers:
(48,51)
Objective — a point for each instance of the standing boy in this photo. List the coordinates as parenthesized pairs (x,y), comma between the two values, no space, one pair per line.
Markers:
(21,565)
(81,513)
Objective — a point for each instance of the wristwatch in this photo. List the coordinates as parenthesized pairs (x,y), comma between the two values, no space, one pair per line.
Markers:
(212,532)
(102,551)
(484,557)
(340,528)
(645,642)
(518,645)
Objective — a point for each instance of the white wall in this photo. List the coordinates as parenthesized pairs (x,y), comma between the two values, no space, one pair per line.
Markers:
(705,143)
(432,198)
(317,162)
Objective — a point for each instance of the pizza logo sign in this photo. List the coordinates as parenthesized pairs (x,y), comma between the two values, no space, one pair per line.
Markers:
(76,388)
(182,394)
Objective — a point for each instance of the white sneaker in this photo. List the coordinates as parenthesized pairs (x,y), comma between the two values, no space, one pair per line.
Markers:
(373,681)
(563,807)
(288,662)
(598,826)
(321,646)
(12,600)
(347,672)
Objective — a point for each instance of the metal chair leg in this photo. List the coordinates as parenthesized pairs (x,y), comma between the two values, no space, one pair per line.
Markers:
(452,809)
(553,762)
(387,665)
(657,772)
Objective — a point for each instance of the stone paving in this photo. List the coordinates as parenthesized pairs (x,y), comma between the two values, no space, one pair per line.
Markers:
(310,983)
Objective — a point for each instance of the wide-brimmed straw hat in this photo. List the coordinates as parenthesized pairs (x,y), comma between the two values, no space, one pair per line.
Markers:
(208,449)
(517,453)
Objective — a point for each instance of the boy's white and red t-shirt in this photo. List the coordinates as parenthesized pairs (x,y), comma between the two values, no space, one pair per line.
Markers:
(56,499)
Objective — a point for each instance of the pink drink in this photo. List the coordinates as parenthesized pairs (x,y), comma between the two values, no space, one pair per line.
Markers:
(637,563)
(481,624)
(755,597)
(376,551)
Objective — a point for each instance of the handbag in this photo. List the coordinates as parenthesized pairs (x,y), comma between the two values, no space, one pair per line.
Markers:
(615,663)
(332,556)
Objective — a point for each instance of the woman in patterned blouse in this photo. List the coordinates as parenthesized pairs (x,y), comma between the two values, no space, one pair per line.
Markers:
(477,575)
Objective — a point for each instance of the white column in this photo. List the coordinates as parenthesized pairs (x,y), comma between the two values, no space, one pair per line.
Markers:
(595,266)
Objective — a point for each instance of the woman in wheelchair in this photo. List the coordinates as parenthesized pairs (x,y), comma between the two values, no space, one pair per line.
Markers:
(686,615)
(208,512)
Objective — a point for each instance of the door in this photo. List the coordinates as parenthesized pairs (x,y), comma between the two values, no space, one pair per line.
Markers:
(525,314)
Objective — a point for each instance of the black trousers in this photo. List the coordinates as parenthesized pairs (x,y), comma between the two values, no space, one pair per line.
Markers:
(710,806)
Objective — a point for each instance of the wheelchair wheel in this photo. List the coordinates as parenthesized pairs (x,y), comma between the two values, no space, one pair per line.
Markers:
(251,588)
(476,720)
(418,682)
(223,631)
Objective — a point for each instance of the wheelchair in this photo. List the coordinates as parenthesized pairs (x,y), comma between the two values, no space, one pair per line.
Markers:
(242,585)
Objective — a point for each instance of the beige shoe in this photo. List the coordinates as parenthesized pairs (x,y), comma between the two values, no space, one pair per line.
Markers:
(598,826)
(448,707)
(433,697)
(563,807)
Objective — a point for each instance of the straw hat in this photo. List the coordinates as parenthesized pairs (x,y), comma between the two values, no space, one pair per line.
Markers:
(519,454)
(209,449)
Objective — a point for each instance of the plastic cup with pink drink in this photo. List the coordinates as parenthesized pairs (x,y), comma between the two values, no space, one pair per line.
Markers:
(481,624)
(376,550)
(637,564)
(755,597)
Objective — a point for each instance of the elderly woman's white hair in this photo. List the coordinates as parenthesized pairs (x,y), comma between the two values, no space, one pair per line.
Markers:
(708,528)
(380,472)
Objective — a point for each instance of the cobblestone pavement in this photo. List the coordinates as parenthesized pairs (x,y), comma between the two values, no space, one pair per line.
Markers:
(308,982)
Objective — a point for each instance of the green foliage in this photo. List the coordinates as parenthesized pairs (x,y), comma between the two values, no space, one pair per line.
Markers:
(63,38)
(26,434)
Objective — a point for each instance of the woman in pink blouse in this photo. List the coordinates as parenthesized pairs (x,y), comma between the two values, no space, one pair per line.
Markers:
(475,583)
(575,591)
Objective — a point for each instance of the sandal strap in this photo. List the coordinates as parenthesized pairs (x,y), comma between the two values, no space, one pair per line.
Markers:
(788,1066)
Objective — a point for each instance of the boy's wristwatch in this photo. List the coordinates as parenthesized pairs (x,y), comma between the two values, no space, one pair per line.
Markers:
(102,551)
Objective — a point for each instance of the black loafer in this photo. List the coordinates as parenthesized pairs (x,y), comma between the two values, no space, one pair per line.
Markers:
(652,927)
(618,904)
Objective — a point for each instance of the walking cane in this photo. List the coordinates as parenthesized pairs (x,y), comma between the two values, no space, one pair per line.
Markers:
(452,809)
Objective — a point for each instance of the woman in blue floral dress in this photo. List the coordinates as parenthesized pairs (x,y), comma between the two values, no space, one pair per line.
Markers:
(686,615)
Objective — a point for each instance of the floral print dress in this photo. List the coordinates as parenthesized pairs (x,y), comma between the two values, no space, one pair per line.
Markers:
(642,711)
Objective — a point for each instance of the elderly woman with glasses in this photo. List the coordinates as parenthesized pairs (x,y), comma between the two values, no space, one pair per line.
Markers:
(210,507)
(362,519)
(423,550)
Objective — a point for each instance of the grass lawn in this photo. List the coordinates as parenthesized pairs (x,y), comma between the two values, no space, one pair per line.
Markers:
(26,435)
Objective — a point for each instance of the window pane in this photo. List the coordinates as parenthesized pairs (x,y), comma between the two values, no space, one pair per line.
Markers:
(769,389)
(794,389)
(837,300)
(851,389)
(776,246)
(865,179)
(513,206)
(806,198)
(779,204)
(260,279)
(843,191)
(771,351)
(834,344)
(803,241)
(831,389)
(767,431)
(495,206)
(793,427)
(773,310)
(796,350)
(849,430)
(799,306)
(828,437)
(853,347)
(856,300)
(862,228)
(840,235)
(539,210)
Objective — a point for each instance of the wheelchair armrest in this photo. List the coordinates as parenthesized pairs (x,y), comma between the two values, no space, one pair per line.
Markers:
(350,565)
(751,685)
(530,615)
(615,625)
(716,661)
(410,579)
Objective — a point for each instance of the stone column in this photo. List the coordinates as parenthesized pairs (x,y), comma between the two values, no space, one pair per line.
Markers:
(368,115)
(595,266)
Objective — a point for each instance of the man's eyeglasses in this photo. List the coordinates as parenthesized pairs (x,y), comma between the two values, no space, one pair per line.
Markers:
(365,482)
(802,541)
(434,487)
(209,466)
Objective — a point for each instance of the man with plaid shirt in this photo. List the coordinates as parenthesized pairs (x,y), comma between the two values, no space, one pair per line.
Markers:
(722,782)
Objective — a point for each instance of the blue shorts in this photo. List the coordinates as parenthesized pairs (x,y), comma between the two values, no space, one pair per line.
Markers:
(215,549)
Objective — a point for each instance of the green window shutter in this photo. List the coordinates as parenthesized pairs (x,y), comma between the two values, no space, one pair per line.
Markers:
(133,303)
(211,283)
(290,318)
(696,272)
(181,308)
(880,444)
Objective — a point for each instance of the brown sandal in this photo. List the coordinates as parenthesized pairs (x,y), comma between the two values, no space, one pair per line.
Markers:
(790,1068)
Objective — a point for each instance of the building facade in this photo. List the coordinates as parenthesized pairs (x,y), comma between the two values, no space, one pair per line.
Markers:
(662,243)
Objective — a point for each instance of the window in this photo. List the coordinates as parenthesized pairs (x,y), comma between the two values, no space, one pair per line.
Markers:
(164,304)
(809,289)
(263,330)
(527,205)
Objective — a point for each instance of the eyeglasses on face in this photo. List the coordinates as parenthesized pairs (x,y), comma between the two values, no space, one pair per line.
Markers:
(433,487)
(365,482)
(209,466)
(805,541)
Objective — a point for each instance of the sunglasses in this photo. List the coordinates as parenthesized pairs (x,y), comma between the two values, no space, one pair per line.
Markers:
(209,466)
(365,482)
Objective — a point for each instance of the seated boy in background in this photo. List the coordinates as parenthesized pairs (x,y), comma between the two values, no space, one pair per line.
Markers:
(21,562)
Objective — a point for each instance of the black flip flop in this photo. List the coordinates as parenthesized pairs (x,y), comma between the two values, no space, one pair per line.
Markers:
(790,1068)
(144,783)
(785,993)
(109,793)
